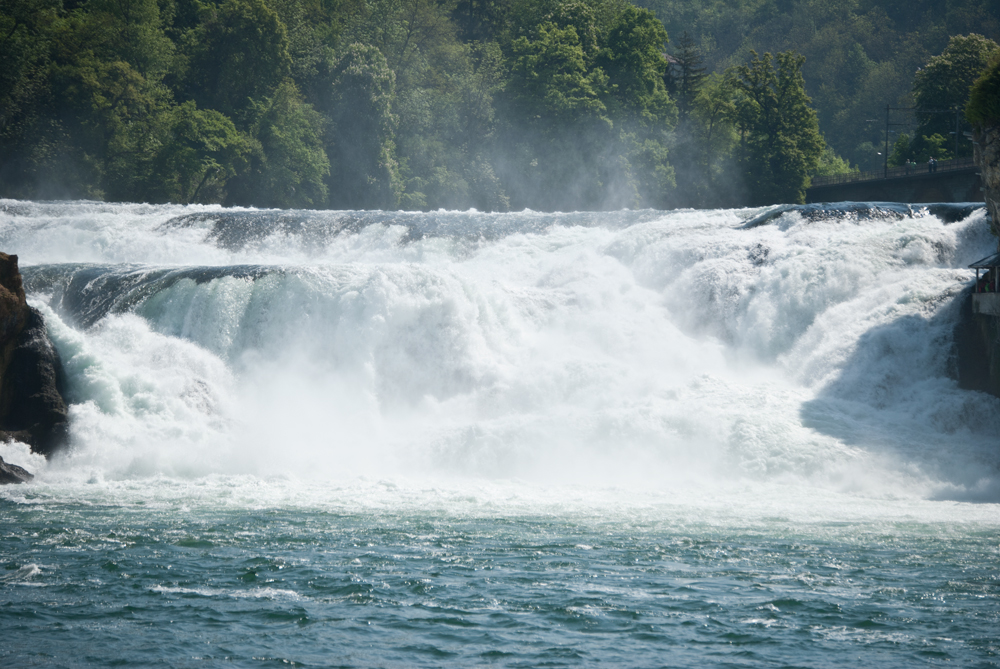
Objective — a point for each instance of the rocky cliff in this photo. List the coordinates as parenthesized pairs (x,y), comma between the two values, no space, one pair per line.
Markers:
(32,409)
(977,336)
(986,153)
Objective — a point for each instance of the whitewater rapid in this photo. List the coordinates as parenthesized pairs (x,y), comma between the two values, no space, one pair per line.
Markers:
(644,350)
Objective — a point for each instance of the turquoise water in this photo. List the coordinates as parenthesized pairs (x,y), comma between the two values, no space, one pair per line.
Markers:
(505,576)
(389,439)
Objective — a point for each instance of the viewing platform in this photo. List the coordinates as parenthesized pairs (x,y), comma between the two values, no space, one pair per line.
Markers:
(985,298)
(952,181)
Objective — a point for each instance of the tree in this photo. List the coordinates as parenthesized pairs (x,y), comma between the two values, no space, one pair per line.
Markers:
(202,152)
(780,144)
(983,108)
(686,74)
(554,144)
(359,139)
(113,119)
(632,57)
(830,163)
(27,139)
(237,55)
(943,84)
(703,149)
(446,133)
(132,31)
(289,165)
(481,20)
(550,83)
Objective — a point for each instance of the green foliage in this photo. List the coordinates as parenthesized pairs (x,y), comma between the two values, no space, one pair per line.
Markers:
(547,104)
(632,57)
(550,83)
(944,83)
(359,140)
(132,31)
(686,75)
(586,109)
(901,151)
(290,165)
(237,55)
(780,143)
(935,146)
(27,141)
(703,147)
(202,151)
(481,20)
(714,109)
(830,163)
(984,100)
(941,90)
(860,54)
(557,122)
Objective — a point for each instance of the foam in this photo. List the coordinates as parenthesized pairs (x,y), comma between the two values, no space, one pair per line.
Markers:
(673,350)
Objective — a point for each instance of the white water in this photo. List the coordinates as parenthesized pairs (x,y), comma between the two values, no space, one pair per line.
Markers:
(661,352)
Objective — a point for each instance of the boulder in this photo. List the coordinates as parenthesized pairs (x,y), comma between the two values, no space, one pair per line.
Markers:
(13,474)
(32,409)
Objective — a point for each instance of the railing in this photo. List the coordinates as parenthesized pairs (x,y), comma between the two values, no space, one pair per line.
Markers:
(893,173)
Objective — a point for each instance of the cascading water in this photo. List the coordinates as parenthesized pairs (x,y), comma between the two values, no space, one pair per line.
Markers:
(794,364)
(643,349)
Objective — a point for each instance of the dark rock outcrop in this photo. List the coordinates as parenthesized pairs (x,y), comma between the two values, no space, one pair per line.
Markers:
(13,474)
(32,409)
(31,402)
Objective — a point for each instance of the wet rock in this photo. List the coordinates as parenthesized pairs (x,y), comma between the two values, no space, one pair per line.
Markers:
(948,212)
(32,409)
(13,307)
(13,474)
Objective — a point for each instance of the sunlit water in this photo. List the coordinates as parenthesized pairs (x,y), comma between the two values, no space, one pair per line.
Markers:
(458,439)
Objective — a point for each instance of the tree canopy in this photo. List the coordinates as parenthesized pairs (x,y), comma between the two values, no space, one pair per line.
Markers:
(780,143)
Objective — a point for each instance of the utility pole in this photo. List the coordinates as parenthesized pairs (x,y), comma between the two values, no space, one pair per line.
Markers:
(885,154)
(956,130)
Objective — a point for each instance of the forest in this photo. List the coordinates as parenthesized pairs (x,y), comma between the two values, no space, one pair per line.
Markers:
(488,104)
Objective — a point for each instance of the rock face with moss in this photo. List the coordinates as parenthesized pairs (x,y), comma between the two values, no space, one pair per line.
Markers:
(32,409)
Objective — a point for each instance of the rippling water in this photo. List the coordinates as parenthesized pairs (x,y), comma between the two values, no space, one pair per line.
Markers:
(265,574)
(637,439)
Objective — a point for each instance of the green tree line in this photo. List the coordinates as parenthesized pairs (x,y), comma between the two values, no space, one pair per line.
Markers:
(861,55)
(415,104)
